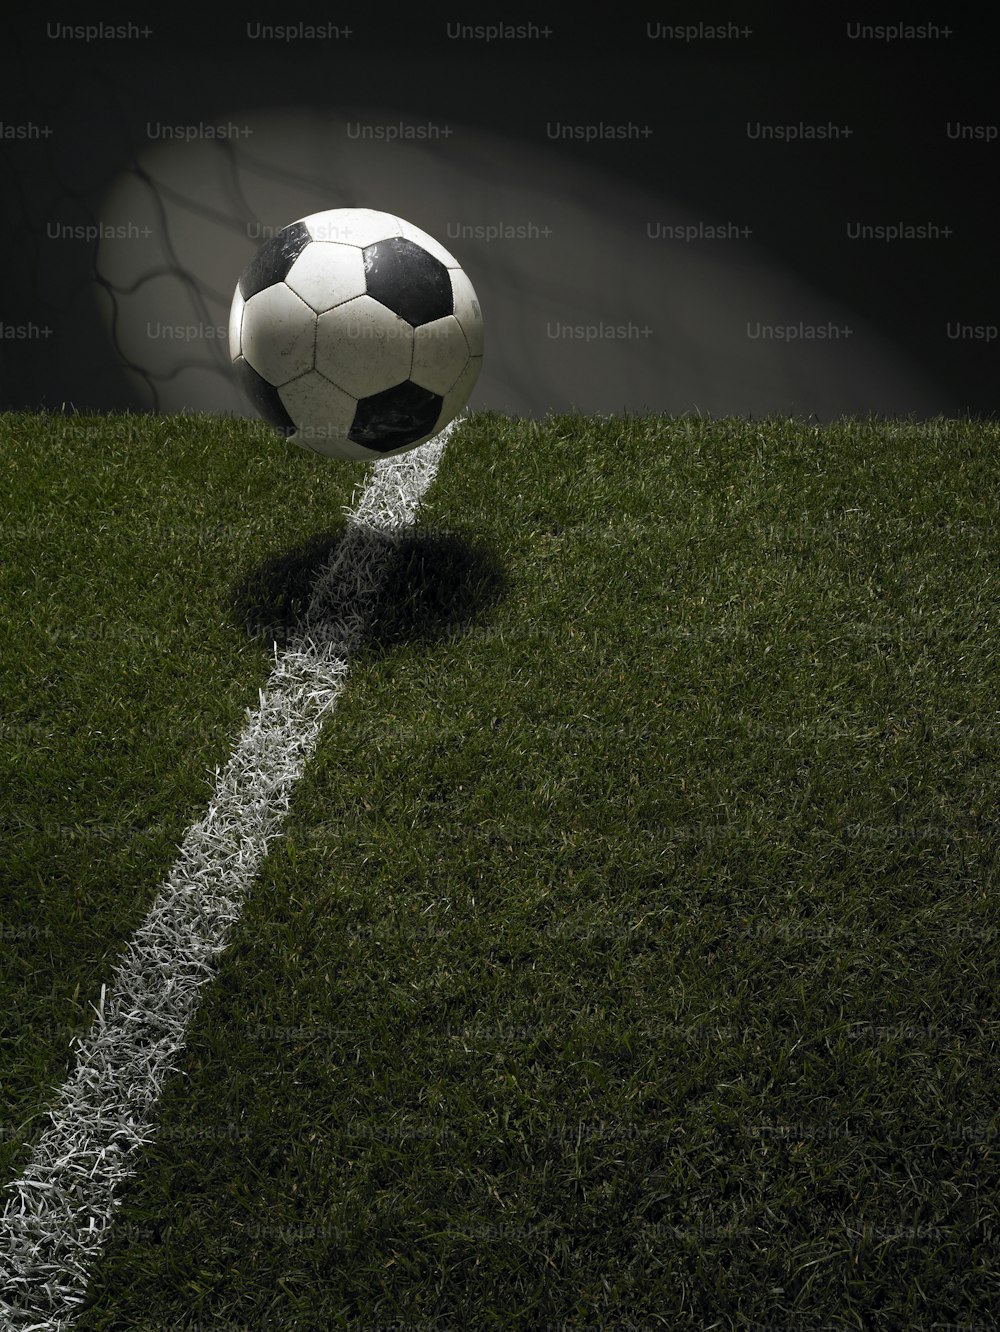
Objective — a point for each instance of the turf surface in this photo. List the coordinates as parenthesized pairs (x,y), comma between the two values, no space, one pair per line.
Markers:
(630,955)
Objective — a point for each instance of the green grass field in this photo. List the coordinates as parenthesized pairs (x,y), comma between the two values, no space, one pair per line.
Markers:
(630,955)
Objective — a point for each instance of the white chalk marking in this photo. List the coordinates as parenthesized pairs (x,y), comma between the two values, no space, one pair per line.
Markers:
(58,1213)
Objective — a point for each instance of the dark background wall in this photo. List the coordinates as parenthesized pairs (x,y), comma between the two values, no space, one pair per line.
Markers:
(640,234)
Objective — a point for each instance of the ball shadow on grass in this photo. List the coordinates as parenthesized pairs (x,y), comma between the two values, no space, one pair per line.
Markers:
(432,586)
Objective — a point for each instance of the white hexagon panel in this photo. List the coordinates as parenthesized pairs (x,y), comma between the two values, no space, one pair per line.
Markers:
(329,410)
(325,275)
(409,232)
(350,226)
(467,311)
(440,354)
(458,395)
(235,324)
(278,334)
(363,347)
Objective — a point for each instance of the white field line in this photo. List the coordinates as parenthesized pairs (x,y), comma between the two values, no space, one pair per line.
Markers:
(56,1216)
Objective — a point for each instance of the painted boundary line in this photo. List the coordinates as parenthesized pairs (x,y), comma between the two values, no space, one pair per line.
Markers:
(57,1214)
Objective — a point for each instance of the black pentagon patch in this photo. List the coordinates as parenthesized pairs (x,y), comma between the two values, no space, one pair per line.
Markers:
(395,417)
(273,260)
(411,282)
(264,397)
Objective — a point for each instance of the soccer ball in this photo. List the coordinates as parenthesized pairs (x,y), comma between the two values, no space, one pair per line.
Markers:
(356,334)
